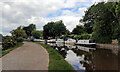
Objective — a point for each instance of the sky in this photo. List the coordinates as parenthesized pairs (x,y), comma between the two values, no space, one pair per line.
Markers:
(16,13)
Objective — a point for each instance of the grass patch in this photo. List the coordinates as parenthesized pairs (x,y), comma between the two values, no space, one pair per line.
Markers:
(56,61)
(4,52)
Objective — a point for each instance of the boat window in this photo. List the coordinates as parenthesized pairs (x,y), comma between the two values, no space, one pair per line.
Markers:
(91,41)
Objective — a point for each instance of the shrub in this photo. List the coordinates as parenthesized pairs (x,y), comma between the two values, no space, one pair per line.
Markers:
(8,41)
(85,36)
(77,37)
(118,40)
(19,39)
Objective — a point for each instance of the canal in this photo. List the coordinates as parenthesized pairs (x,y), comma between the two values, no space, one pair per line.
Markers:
(88,59)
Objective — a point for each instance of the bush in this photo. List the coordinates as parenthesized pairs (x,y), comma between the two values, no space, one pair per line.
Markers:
(118,40)
(19,39)
(77,37)
(8,41)
(83,36)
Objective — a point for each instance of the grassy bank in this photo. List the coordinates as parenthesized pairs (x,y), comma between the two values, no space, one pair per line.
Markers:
(56,61)
(4,52)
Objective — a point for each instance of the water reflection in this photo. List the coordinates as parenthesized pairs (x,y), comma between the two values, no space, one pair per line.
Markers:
(73,59)
(88,59)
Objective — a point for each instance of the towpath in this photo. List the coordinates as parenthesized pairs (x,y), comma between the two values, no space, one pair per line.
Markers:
(30,56)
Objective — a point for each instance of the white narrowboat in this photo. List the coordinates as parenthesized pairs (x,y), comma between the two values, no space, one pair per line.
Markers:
(70,41)
(86,43)
(59,41)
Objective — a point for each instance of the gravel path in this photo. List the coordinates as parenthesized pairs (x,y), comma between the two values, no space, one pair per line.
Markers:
(30,56)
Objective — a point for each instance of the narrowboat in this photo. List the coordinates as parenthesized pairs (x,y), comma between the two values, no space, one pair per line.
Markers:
(88,43)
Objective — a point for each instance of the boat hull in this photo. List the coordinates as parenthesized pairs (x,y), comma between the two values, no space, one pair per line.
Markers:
(86,45)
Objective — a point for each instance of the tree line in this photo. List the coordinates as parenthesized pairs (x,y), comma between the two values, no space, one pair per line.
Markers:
(103,21)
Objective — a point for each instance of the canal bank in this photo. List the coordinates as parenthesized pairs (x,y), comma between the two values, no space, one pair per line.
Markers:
(107,46)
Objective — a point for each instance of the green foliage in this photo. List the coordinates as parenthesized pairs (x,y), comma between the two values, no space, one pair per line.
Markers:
(78,30)
(1,37)
(64,36)
(102,27)
(4,52)
(88,20)
(77,37)
(56,61)
(19,39)
(29,29)
(114,8)
(37,34)
(103,19)
(19,32)
(8,41)
(54,29)
(83,36)
(118,40)
(71,36)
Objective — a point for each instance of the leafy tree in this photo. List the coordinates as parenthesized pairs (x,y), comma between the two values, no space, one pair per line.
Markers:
(1,37)
(103,19)
(102,23)
(29,29)
(54,29)
(60,28)
(88,20)
(19,32)
(78,30)
(114,8)
(37,34)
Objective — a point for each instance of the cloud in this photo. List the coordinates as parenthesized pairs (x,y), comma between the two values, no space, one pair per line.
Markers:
(23,12)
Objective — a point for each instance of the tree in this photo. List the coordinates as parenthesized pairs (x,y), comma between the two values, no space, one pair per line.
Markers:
(78,30)
(102,23)
(88,20)
(1,37)
(103,19)
(37,34)
(54,29)
(60,28)
(114,8)
(29,29)
(19,32)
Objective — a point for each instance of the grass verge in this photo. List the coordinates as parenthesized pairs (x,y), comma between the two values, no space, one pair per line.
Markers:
(56,61)
(4,52)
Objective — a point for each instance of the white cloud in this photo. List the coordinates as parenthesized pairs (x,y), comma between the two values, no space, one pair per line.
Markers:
(69,21)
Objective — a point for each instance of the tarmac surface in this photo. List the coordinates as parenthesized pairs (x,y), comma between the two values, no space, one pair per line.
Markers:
(30,56)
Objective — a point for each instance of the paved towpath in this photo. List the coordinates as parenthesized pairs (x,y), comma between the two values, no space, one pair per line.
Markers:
(30,56)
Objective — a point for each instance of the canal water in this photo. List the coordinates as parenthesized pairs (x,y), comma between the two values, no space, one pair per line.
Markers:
(88,59)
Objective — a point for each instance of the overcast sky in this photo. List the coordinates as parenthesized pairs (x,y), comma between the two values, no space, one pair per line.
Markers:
(39,12)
